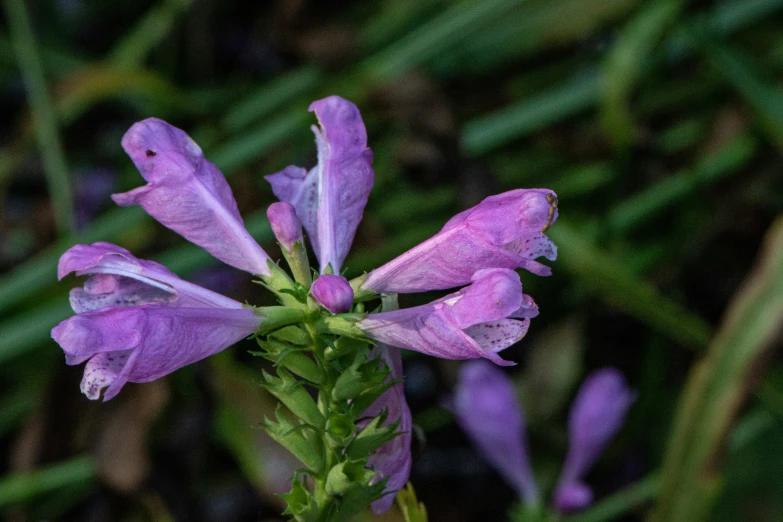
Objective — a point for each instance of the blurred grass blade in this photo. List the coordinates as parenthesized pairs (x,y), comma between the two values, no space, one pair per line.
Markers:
(764,97)
(621,502)
(438,34)
(134,47)
(717,387)
(42,110)
(262,101)
(611,280)
(490,131)
(628,59)
(21,487)
(680,185)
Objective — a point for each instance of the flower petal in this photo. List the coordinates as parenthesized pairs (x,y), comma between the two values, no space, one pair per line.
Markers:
(153,341)
(503,231)
(487,409)
(114,285)
(188,194)
(330,199)
(597,414)
(442,328)
(393,459)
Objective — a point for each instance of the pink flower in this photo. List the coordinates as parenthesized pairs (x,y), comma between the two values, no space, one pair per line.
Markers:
(393,460)
(503,231)
(330,199)
(137,321)
(477,321)
(188,194)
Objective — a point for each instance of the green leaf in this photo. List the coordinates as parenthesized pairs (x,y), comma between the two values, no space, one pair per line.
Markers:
(412,509)
(300,503)
(371,437)
(717,387)
(295,439)
(293,395)
(292,358)
(359,377)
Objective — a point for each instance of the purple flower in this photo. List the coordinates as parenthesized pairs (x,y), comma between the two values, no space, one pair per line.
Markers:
(188,194)
(486,407)
(503,231)
(137,321)
(473,322)
(333,293)
(285,225)
(393,459)
(597,414)
(330,199)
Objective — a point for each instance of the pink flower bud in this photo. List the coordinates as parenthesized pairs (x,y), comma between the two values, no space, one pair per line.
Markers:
(333,293)
(285,225)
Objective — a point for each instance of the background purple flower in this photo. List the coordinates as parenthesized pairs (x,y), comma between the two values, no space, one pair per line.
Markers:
(486,407)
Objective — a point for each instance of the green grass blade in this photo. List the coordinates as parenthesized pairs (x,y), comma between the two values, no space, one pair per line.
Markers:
(490,131)
(134,47)
(609,278)
(718,385)
(438,34)
(21,487)
(662,195)
(44,119)
(628,59)
(621,502)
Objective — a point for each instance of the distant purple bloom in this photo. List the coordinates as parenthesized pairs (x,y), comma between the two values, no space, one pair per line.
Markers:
(91,189)
(137,321)
(486,407)
(393,459)
(333,293)
(188,194)
(503,231)
(330,199)
(474,322)
(597,414)
(285,225)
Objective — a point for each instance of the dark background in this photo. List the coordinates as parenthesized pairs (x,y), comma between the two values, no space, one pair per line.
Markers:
(658,123)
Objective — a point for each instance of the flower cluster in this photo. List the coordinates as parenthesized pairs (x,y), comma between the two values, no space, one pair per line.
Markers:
(487,408)
(136,321)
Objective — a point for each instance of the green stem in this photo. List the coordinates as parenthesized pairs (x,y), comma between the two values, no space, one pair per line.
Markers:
(44,119)
(621,502)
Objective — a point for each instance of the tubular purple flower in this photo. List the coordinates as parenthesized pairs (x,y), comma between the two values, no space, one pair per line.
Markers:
(330,199)
(188,194)
(471,323)
(393,459)
(503,231)
(597,414)
(333,292)
(285,225)
(137,321)
(486,407)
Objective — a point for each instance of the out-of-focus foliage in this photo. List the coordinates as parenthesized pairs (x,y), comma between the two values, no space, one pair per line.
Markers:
(658,123)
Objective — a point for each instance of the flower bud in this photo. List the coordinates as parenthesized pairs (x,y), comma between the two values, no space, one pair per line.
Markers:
(285,225)
(333,293)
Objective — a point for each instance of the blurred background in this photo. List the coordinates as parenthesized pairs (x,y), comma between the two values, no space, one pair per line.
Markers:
(659,123)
